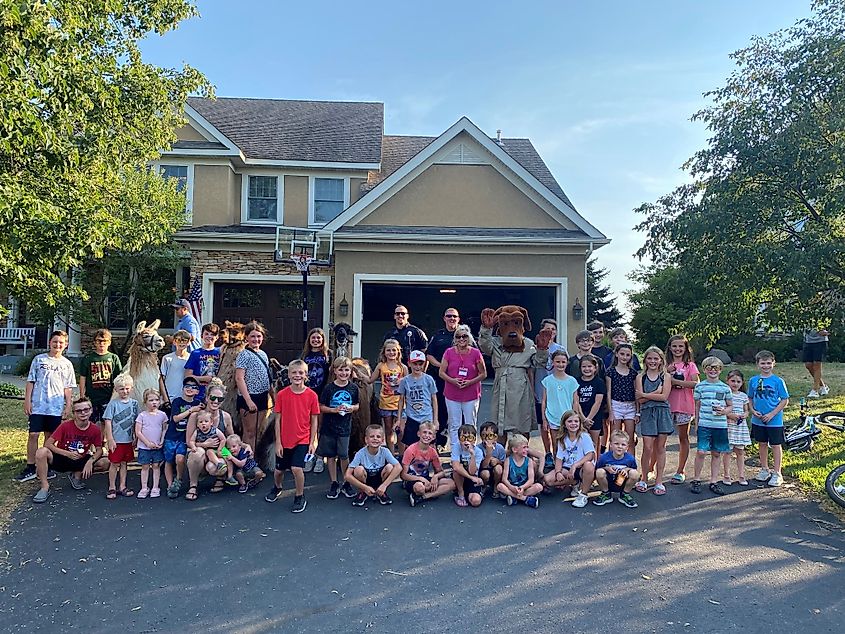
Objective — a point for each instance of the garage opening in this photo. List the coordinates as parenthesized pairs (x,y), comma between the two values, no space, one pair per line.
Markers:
(428,302)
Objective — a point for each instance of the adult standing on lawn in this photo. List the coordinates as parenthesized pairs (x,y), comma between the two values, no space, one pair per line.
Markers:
(68,450)
(182,308)
(813,355)
(409,336)
(441,341)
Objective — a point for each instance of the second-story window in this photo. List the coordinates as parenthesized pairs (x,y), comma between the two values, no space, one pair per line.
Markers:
(328,199)
(180,173)
(263,198)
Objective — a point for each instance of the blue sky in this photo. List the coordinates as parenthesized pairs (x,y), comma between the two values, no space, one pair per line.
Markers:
(604,89)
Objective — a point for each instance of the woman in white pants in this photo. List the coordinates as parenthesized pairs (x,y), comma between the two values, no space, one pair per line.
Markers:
(463,370)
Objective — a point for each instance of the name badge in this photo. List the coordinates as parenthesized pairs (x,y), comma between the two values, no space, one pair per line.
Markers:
(463,372)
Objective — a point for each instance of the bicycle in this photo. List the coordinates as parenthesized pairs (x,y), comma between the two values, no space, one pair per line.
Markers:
(801,438)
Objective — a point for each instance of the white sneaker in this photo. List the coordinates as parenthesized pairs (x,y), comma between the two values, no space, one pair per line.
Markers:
(813,394)
(580,500)
(763,475)
(776,480)
(319,465)
(824,390)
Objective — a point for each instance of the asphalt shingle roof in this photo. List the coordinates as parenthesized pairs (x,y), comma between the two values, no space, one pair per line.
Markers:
(293,130)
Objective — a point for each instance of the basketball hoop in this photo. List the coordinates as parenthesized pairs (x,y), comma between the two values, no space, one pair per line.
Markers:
(302,262)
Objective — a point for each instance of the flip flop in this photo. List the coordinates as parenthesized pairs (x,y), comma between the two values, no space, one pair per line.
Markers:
(127,492)
(678,478)
(460,501)
(112,494)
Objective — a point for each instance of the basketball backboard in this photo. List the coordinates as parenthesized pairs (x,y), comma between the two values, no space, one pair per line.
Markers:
(303,247)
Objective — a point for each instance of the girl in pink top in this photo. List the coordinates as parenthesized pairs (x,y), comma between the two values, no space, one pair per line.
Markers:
(149,433)
(684,378)
(463,370)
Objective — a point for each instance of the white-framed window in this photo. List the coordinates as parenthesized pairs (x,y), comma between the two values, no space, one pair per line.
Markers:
(329,196)
(183,174)
(262,198)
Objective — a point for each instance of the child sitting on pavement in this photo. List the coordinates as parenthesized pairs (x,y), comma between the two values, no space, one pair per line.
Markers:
(466,461)
(574,458)
(422,474)
(490,469)
(373,468)
(518,483)
(616,470)
(242,465)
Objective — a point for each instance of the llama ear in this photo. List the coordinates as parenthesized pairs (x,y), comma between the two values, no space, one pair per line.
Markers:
(155,324)
(141,325)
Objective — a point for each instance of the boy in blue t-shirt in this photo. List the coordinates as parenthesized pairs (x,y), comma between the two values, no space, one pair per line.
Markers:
(175,443)
(616,470)
(769,397)
(204,362)
(490,469)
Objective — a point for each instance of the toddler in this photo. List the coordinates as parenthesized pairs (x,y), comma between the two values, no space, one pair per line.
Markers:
(149,434)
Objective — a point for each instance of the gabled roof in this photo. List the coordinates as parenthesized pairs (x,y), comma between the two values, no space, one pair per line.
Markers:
(297,131)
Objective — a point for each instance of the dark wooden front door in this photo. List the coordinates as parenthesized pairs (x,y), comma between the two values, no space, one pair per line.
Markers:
(277,306)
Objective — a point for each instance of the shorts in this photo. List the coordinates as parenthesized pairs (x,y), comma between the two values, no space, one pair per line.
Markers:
(249,474)
(814,352)
(411,433)
(124,452)
(612,487)
(150,456)
(374,479)
(172,448)
(97,412)
(43,423)
(63,464)
(577,474)
(713,439)
(655,421)
(331,446)
(769,435)
(488,471)
(260,401)
(623,410)
(292,458)
(680,418)
(598,425)
(470,487)
(388,412)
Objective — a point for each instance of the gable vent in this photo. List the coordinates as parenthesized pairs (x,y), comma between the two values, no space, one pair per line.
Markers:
(461,154)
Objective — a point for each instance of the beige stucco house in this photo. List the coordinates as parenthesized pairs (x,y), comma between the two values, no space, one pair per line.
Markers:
(460,219)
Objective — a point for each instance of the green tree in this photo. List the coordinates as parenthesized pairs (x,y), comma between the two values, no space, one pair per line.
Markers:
(81,116)
(601,305)
(761,230)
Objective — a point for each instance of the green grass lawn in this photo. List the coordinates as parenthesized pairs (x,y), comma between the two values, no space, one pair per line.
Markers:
(12,454)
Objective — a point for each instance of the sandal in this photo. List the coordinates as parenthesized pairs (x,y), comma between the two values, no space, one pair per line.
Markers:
(641,486)
(678,478)
(221,468)
(218,486)
(716,489)
(143,493)
(127,492)
(112,494)
(460,501)
(659,489)
(743,483)
(727,482)
(191,495)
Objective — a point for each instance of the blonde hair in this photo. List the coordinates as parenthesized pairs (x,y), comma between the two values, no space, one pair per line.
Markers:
(427,424)
(390,342)
(517,440)
(203,415)
(124,380)
(711,360)
(619,435)
(660,355)
(298,363)
(342,362)
(151,392)
(231,438)
(216,384)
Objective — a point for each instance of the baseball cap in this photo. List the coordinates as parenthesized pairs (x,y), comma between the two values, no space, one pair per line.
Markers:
(189,380)
(417,355)
(181,303)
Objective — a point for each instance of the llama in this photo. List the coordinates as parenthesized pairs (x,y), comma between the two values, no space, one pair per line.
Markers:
(233,335)
(143,364)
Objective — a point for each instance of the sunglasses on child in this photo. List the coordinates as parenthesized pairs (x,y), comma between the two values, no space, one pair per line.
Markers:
(191,386)
(467,437)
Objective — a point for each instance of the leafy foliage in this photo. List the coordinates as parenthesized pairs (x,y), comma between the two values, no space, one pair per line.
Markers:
(761,230)
(601,306)
(80,119)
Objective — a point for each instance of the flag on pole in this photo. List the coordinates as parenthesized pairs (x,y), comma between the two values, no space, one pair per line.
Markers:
(195,299)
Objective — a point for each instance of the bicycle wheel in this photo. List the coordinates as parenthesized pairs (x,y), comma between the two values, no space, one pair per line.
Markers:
(834,419)
(835,485)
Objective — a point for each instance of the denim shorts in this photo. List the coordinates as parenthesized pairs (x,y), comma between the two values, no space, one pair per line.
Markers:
(150,456)
(713,439)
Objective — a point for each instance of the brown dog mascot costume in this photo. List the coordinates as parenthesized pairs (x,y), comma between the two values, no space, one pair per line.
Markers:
(512,355)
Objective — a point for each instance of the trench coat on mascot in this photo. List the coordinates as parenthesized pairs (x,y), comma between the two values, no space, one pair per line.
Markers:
(502,337)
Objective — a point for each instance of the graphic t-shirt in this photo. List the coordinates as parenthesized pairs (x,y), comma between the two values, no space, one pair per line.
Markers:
(417,393)
(318,371)
(560,394)
(588,391)
(607,459)
(152,423)
(388,398)
(571,451)
(99,371)
(421,462)
(203,362)
(765,393)
(712,395)
(295,412)
(70,438)
(335,395)
(373,462)
(122,416)
(176,430)
(50,375)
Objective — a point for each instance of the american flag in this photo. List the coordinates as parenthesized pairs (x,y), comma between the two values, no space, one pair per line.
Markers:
(195,299)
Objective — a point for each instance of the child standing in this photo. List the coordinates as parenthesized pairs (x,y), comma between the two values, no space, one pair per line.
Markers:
(574,458)
(241,464)
(655,425)
(422,474)
(149,433)
(616,469)
(591,397)
(96,373)
(559,390)
(417,400)
(621,388)
(681,403)
(47,397)
(712,405)
(338,401)
(297,409)
(373,468)
(316,354)
(175,441)
(390,370)
(173,369)
(204,362)
(584,344)
(466,461)
(617,336)
(518,483)
(738,435)
(119,427)
(769,397)
(492,464)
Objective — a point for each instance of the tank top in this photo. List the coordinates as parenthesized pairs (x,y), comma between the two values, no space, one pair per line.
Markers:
(653,386)
(518,476)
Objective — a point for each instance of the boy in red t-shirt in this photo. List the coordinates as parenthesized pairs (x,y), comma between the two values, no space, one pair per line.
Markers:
(296,410)
(69,450)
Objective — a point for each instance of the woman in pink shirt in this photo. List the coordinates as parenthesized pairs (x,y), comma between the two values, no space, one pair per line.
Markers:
(463,370)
